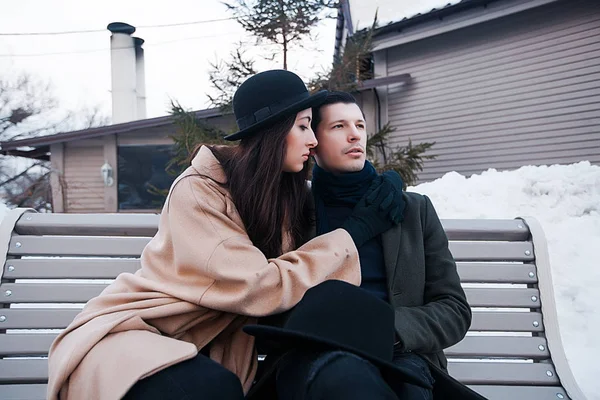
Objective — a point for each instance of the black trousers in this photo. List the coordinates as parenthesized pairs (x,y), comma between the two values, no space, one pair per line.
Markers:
(341,375)
(197,378)
(302,375)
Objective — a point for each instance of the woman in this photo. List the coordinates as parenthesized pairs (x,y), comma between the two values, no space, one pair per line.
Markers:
(173,330)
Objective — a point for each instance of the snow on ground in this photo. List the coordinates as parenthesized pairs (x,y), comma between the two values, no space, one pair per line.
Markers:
(565,199)
(3,209)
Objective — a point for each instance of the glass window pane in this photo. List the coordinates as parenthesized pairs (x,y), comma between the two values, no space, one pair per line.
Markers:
(140,169)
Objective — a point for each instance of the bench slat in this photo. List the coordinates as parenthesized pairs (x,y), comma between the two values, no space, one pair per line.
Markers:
(522,347)
(88,224)
(492,251)
(480,272)
(507,321)
(23,392)
(77,246)
(49,293)
(494,346)
(26,344)
(24,318)
(472,346)
(133,246)
(24,370)
(80,293)
(26,268)
(521,392)
(107,268)
(485,229)
(502,297)
(131,224)
(496,373)
(36,371)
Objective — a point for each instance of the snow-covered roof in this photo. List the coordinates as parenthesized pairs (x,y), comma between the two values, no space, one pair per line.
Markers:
(362,12)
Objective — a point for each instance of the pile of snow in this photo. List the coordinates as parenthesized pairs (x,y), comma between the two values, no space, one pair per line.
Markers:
(3,210)
(565,199)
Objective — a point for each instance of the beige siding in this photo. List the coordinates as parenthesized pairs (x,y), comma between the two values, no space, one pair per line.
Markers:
(519,90)
(84,186)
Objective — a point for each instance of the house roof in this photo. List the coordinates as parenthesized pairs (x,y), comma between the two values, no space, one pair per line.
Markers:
(37,142)
(444,9)
(360,13)
(38,147)
(399,23)
(438,21)
(392,15)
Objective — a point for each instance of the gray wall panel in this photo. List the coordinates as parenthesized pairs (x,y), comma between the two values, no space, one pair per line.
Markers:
(520,90)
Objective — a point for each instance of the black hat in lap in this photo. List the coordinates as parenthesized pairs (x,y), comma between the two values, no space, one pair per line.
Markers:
(338,315)
(268,97)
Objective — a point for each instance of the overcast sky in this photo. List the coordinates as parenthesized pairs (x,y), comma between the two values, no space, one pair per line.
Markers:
(177,58)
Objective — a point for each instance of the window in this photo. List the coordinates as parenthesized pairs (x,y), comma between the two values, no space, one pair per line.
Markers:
(142,180)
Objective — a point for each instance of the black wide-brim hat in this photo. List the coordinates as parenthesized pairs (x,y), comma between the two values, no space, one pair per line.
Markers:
(339,316)
(268,97)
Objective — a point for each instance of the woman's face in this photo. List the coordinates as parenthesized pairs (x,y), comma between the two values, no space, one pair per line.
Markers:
(299,141)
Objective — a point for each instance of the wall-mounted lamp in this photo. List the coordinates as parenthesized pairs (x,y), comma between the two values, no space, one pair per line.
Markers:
(107,174)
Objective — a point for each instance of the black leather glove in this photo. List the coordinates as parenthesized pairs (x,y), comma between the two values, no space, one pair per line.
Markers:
(378,210)
(393,178)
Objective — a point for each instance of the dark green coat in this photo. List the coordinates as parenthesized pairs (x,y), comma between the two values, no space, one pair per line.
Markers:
(431,308)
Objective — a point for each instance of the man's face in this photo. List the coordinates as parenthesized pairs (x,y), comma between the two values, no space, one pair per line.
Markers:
(342,138)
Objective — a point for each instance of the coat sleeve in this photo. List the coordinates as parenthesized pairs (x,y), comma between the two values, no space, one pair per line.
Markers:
(241,279)
(445,317)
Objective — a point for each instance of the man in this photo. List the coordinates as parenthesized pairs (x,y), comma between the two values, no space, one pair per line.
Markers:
(409,266)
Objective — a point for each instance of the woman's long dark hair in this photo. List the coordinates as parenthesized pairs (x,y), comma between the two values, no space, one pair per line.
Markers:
(268,200)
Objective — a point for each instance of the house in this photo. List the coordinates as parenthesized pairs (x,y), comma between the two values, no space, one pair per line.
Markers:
(110,168)
(494,83)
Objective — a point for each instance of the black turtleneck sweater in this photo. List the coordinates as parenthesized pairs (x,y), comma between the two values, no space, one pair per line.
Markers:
(370,254)
(335,198)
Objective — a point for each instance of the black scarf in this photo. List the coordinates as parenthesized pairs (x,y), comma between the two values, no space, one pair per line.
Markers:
(338,190)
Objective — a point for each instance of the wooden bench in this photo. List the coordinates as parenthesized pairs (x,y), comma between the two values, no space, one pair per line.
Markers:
(53,263)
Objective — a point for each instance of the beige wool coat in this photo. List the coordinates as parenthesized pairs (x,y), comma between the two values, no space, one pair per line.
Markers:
(200,282)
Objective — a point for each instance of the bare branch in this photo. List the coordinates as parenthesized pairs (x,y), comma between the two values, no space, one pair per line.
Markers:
(29,109)
(20,175)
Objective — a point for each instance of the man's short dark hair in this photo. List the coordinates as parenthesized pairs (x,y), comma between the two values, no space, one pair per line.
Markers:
(332,98)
